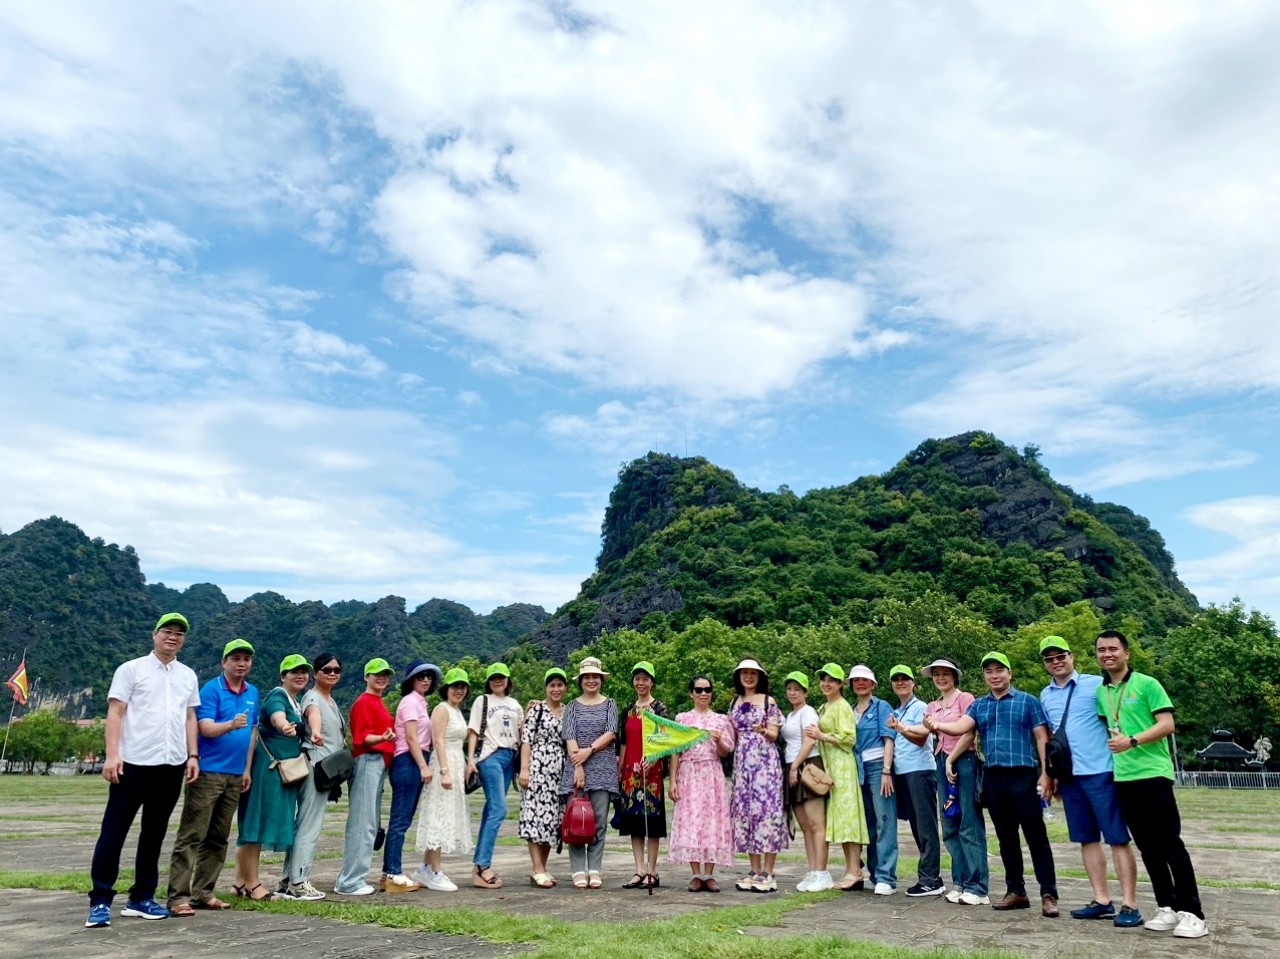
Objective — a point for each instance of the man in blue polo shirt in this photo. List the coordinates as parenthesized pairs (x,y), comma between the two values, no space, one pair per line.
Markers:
(1014,731)
(1089,793)
(227,719)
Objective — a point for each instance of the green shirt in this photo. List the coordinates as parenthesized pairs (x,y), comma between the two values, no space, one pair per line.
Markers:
(1131,705)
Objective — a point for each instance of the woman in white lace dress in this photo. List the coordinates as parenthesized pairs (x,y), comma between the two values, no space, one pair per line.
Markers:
(444,824)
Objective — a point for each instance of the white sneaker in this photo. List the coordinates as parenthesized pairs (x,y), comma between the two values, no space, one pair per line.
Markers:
(884,889)
(439,882)
(805,884)
(973,899)
(305,892)
(822,881)
(1164,920)
(1190,926)
(765,882)
(954,895)
(363,890)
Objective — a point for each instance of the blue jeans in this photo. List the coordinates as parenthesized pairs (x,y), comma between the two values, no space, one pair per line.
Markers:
(406,788)
(966,835)
(363,812)
(496,772)
(882,826)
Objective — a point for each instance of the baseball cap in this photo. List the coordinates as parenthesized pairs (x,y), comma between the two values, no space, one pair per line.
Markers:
(235,644)
(1054,642)
(834,670)
(457,675)
(644,666)
(293,661)
(172,618)
(497,669)
(377,665)
(901,670)
(797,677)
(994,657)
(555,672)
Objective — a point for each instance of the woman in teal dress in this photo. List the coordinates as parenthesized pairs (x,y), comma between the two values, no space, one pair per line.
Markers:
(267,810)
(836,732)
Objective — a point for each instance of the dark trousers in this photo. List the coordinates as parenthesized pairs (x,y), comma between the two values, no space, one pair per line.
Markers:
(1010,796)
(200,848)
(154,790)
(1151,812)
(918,798)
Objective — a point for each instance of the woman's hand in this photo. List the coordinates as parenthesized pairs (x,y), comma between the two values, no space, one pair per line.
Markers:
(714,736)
(317,739)
(470,770)
(812,732)
(580,756)
(524,778)
(951,772)
(886,784)
(446,781)
(425,772)
(389,735)
(894,724)
(289,729)
(793,776)
(579,777)
(673,792)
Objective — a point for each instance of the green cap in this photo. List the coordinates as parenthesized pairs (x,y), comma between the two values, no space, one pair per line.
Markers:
(456,675)
(377,665)
(235,644)
(1054,642)
(644,666)
(555,672)
(497,669)
(292,662)
(172,618)
(799,678)
(994,657)
(834,670)
(901,670)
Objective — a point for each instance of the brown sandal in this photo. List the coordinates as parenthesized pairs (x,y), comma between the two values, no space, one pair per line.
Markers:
(710,885)
(479,881)
(182,910)
(695,884)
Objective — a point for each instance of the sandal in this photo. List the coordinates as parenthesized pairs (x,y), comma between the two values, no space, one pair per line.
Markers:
(580,880)
(593,879)
(710,885)
(240,891)
(695,884)
(652,881)
(480,881)
(851,883)
(265,897)
(182,910)
(541,880)
(213,902)
(636,881)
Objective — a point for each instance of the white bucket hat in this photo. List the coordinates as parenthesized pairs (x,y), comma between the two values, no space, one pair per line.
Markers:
(750,664)
(861,672)
(941,664)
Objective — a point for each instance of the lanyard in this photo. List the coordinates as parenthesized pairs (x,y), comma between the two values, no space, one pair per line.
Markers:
(1114,711)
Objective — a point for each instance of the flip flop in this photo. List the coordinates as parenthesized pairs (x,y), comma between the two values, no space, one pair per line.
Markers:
(182,910)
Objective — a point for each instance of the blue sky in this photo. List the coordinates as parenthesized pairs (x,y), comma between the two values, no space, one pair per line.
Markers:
(348,300)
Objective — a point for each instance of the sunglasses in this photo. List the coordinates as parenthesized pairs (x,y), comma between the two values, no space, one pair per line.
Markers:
(1060,657)
(701,690)
(331,670)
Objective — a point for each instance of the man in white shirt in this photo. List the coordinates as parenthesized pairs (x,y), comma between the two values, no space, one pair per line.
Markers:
(151,750)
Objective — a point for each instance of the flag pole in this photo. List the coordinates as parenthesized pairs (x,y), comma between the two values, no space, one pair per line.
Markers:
(13,704)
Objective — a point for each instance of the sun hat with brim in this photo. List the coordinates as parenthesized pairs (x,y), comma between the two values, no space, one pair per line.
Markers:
(861,671)
(750,664)
(901,670)
(994,657)
(834,670)
(591,667)
(236,644)
(455,676)
(799,678)
(555,672)
(1054,642)
(416,670)
(646,667)
(941,664)
(168,618)
(497,669)
(292,662)
(376,666)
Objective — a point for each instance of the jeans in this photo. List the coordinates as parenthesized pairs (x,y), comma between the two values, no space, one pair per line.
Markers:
(307,824)
(406,788)
(362,822)
(154,790)
(589,858)
(966,835)
(1010,796)
(917,795)
(200,848)
(882,826)
(496,772)
(1150,809)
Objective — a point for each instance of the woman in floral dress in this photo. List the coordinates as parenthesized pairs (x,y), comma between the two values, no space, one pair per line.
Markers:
(835,733)
(756,810)
(643,816)
(700,832)
(541,765)
(444,824)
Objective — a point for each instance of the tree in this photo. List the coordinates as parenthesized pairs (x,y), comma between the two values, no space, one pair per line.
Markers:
(40,738)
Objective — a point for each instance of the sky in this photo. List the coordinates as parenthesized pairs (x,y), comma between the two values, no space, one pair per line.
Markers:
(345,300)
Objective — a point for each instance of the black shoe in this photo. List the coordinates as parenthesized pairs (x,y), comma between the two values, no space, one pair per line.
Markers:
(919,889)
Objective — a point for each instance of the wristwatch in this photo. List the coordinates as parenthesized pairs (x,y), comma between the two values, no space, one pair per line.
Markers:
(1133,742)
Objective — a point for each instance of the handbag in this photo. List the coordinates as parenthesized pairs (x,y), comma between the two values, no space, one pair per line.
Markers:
(979,780)
(474,782)
(291,770)
(815,778)
(334,770)
(578,827)
(1057,752)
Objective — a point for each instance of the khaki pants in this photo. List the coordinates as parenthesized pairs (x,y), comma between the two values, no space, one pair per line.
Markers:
(201,846)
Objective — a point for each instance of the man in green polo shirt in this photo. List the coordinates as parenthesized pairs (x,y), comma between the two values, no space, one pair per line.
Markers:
(1139,719)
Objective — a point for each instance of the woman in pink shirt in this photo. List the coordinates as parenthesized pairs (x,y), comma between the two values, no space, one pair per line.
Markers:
(409,768)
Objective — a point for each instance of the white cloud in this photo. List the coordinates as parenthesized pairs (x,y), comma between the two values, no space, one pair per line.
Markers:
(1248,569)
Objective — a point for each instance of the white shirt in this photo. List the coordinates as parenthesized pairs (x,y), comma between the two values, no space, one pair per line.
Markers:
(793,730)
(502,729)
(153,731)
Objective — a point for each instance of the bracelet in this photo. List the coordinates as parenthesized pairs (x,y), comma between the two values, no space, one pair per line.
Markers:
(887,774)
(193,755)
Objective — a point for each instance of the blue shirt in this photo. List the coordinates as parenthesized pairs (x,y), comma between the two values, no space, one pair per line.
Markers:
(227,753)
(907,756)
(873,729)
(1005,725)
(1086,734)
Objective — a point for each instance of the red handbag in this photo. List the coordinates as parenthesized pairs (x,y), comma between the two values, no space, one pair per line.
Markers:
(578,828)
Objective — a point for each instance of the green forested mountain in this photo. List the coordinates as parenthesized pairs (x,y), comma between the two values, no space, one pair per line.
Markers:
(968,517)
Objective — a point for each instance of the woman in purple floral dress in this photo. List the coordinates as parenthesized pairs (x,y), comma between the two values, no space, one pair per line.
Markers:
(756,810)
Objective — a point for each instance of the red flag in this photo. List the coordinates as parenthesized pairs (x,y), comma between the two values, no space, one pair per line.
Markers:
(19,684)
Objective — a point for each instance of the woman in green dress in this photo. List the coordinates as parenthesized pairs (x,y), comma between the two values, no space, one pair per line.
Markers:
(267,809)
(835,733)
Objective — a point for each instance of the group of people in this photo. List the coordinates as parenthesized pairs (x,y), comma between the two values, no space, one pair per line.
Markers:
(843,773)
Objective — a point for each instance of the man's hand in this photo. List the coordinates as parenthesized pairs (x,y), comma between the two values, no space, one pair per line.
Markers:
(247,782)
(193,770)
(113,769)
(931,724)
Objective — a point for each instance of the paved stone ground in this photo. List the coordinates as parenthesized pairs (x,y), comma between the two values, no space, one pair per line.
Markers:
(1245,923)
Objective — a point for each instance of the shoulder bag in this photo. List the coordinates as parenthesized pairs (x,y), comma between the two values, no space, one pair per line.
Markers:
(1057,752)
(474,781)
(291,770)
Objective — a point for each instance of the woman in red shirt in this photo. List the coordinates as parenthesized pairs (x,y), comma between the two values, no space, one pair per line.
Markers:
(373,741)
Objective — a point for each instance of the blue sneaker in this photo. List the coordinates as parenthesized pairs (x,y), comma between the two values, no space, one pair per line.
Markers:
(99,916)
(1128,918)
(147,909)
(1095,910)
